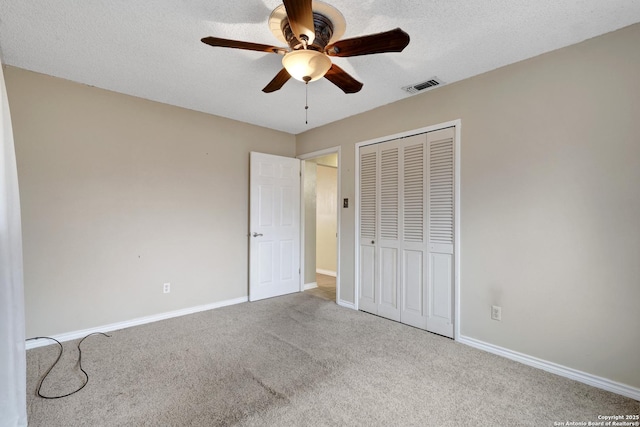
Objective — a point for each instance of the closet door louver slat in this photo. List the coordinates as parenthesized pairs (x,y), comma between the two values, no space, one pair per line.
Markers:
(389,194)
(441,209)
(414,193)
(368,196)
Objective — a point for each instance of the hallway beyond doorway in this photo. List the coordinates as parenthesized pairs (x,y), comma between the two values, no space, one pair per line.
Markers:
(326,287)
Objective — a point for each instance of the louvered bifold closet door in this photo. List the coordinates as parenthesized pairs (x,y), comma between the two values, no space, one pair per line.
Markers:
(390,227)
(368,214)
(406,214)
(441,185)
(414,233)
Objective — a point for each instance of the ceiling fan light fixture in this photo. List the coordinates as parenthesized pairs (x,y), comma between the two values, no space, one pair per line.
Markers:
(306,64)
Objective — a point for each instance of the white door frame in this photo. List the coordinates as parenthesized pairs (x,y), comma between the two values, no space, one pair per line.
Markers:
(308,156)
(457,124)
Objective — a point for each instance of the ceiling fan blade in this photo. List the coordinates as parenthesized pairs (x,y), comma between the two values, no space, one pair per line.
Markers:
(343,80)
(278,81)
(300,15)
(236,44)
(389,41)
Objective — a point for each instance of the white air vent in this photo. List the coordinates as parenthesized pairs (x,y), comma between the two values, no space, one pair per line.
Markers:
(423,86)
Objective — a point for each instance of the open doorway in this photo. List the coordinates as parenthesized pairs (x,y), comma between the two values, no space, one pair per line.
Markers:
(320,183)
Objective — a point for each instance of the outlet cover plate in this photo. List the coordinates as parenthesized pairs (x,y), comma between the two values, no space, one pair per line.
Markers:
(496,312)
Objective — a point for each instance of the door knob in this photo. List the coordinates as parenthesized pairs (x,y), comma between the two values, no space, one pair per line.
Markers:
(372,242)
(256,234)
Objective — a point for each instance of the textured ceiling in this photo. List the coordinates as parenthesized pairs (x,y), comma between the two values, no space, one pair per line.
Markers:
(153,50)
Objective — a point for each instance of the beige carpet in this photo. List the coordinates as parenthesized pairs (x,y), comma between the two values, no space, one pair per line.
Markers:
(300,360)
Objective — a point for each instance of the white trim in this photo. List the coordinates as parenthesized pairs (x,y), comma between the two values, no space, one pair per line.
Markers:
(326,272)
(308,156)
(319,153)
(338,226)
(554,368)
(457,170)
(311,285)
(346,304)
(457,125)
(68,336)
(449,124)
(302,225)
(356,228)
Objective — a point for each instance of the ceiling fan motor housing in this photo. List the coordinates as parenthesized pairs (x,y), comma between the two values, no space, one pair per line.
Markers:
(323,28)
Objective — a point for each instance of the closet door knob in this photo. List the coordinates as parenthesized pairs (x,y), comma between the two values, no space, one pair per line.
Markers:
(372,242)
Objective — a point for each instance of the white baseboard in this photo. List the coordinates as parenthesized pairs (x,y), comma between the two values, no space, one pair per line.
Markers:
(346,304)
(554,368)
(326,272)
(311,285)
(68,336)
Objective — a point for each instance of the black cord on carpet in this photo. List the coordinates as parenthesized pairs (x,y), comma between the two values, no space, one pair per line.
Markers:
(86,376)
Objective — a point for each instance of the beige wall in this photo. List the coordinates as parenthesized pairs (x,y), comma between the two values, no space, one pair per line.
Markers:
(120,195)
(327,218)
(550,200)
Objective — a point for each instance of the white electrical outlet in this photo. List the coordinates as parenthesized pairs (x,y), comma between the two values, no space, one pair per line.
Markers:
(496,312)
(167,288)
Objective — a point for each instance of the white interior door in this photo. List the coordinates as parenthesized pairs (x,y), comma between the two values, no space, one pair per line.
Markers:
(389,244)
(441,232)
(414,241)
(368,294)
(274,226)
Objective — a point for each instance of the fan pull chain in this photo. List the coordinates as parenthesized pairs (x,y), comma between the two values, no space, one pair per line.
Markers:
(306,103)
(306,79)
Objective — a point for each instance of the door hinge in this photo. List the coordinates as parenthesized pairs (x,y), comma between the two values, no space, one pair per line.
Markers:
(299,271)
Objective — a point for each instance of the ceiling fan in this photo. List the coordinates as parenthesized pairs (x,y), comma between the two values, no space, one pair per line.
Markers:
(312,29)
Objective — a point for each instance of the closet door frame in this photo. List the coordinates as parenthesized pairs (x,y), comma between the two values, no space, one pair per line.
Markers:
(457,125)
